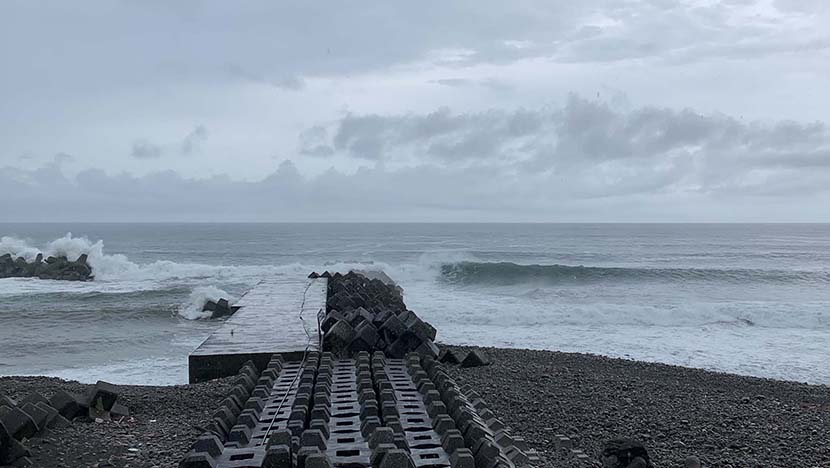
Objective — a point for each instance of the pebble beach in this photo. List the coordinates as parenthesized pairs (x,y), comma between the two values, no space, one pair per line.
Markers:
(725,420)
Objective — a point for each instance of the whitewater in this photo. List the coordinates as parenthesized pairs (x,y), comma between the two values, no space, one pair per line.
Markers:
(748,299)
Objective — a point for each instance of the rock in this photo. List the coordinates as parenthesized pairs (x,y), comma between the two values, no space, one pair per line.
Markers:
(475,358)
(692,462)
(625,453)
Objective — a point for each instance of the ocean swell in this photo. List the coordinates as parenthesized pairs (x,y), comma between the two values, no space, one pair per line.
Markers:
(508,273)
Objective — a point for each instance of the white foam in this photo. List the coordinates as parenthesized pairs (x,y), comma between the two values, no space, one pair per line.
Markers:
(192,310)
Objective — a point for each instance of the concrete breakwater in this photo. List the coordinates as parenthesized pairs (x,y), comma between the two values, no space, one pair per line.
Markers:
(364,389)
(364,314)
(53,268)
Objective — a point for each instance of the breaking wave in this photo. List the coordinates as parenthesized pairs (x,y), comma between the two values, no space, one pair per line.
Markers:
(507,273)
(192,309)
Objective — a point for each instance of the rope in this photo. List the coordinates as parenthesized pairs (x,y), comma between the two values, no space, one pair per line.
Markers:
(302,363)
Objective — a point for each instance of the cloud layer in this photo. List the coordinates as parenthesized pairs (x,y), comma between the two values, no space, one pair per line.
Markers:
(546,164)
(470,110)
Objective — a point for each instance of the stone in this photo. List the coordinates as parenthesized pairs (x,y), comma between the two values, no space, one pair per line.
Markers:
(68,405)
(625,453)
(475,358)
(692,462)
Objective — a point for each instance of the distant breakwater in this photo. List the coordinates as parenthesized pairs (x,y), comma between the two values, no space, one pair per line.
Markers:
(54,268)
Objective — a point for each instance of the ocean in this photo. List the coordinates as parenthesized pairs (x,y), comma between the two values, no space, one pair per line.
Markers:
(747,299)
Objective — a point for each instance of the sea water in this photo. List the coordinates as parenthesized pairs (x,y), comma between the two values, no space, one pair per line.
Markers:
(748,299)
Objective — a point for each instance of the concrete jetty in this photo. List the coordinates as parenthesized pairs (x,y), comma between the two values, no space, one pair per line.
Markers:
(277,316)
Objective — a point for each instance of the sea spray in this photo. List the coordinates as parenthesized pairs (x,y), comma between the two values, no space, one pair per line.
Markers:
(192,309)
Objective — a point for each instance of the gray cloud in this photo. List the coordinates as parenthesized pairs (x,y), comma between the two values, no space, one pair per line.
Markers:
(610,151)
(143,149)
(193,139)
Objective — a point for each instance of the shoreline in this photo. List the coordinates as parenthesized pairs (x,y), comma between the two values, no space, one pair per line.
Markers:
(724,419)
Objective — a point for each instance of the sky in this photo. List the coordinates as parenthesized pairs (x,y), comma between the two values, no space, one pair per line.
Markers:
(469,110)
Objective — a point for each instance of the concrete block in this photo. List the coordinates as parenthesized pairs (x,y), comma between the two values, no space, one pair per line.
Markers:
(207,443)
(53,418)
(68,405)
(318,460)
(449,356)
(119,411)
(38,415)
(452,440)
(33,398)
(462,458)
(198,460)
(18,423)
(102,396)
(381,435)
(279,437)
(313,438)
(475,358)
(240,433)
(338,338)
(278,456)
(396,458)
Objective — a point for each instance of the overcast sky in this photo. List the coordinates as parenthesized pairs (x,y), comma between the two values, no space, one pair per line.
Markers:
(479,110)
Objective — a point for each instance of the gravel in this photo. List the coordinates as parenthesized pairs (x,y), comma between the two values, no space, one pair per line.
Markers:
(726,420)
(163,423)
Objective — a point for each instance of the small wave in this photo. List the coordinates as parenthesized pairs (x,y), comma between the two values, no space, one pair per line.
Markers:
(192,309)
(507,273)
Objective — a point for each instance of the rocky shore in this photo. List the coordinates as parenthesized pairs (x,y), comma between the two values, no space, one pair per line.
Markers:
(725,420)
